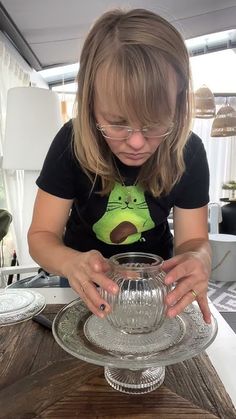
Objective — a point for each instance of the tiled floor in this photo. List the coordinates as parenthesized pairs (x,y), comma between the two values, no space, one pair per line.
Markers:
(230,318)
(223,295)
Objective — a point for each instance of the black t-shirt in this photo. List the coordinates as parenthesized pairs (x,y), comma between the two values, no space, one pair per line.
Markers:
(129,219)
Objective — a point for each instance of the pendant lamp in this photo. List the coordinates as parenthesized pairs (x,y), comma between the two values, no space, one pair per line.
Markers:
(224,124)
(204,103)
(64,111)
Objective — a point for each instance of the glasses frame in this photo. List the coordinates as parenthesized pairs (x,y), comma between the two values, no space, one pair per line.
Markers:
(131,131)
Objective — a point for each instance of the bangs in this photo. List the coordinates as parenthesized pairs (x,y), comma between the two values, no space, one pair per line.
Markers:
(135,83)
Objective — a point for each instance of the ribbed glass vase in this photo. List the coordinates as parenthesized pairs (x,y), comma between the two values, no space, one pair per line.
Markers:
(139,307)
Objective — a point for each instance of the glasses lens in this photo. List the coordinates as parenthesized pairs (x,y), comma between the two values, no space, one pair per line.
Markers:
(121,132)
(117,132)
(156,131)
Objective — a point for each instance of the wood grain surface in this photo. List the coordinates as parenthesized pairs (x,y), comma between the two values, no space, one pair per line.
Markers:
(40,380)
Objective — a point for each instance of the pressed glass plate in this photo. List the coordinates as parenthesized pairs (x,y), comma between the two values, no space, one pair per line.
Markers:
(103,335)
(19,305)
(93,340)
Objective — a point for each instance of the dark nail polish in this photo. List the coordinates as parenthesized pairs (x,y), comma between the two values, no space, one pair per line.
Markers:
(102,307)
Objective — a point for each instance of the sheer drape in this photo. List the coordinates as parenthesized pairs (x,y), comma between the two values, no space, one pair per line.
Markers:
(11,75)
(221,154)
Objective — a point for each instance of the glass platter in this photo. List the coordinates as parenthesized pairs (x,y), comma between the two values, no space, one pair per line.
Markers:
(93,340)
(19,305)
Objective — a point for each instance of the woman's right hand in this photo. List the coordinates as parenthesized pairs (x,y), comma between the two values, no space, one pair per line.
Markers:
(86,269)
(82,269)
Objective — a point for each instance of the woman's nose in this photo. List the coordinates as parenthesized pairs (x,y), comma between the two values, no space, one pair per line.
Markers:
(136,140)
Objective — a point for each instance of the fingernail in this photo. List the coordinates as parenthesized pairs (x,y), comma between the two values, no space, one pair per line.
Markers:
(168,280)
(102,307)
(171,314)
(114,289)
(171,303)
(97,268)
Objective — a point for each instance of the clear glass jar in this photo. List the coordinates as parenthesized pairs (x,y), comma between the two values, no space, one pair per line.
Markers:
(139,307)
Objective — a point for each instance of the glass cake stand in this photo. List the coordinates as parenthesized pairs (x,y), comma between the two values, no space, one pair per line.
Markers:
(133,364)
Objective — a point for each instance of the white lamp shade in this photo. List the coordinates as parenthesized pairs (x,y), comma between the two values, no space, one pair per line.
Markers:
(32,120)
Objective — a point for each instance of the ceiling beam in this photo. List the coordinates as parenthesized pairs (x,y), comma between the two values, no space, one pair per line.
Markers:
(11,31)
(205,49)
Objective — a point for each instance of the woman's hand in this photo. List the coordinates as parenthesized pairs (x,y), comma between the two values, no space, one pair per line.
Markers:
(85,269)
(190,272)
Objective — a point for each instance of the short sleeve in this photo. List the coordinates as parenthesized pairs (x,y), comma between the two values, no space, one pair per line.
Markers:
(193,189)
(57,174)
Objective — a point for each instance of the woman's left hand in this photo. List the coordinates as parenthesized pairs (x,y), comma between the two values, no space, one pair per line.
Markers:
(190,273)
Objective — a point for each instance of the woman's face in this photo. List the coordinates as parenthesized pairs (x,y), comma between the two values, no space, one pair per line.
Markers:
(137,149)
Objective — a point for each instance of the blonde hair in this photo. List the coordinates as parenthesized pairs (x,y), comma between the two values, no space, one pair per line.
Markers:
(130,53)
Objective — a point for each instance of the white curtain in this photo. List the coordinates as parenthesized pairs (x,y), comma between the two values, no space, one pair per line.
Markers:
(11,75)
(221,154)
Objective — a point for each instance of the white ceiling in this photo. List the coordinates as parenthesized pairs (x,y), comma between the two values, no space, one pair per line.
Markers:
(55,29)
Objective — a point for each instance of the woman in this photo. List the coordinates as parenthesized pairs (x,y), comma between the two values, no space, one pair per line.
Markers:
(112,176)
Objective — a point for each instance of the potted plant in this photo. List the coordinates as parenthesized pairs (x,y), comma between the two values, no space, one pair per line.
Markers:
(230,186)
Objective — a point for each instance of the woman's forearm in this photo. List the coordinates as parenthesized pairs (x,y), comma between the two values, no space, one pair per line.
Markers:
(200,247)
(48,250)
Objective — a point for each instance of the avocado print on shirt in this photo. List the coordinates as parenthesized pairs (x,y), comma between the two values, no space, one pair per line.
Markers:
(126,217)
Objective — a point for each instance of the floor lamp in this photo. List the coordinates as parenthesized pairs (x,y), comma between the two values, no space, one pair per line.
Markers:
(33,118)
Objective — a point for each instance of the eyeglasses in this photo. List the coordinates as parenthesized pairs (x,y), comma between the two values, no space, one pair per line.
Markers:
(123,132)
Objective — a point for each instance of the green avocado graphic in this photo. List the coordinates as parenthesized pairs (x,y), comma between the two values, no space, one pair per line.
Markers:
(126,217)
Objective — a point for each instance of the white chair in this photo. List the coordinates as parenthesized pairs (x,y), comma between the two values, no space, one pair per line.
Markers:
(214,217)
(21,271)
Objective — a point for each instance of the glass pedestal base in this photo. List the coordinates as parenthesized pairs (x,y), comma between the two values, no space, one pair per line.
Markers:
(133,364)
(135,381)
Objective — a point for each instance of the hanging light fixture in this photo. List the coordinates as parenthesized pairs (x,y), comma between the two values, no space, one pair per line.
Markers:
(204,103)
(64,111)
(224,124)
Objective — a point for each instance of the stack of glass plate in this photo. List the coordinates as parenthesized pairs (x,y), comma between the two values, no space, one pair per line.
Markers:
(19,305)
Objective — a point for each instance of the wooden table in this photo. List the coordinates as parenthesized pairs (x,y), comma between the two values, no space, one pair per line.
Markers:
(40,380)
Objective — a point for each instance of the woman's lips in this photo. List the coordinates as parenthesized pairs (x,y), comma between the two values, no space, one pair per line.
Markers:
(135,156)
